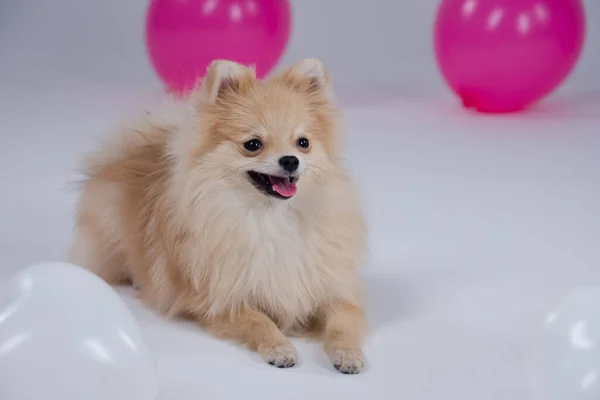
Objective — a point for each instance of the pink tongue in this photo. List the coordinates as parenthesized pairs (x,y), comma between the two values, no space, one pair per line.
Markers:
(283,186)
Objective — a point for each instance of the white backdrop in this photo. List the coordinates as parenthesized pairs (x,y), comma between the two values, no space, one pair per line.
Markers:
(478,224)
(381,42)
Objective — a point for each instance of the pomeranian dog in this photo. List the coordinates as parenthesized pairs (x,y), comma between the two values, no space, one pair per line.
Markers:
(233,208)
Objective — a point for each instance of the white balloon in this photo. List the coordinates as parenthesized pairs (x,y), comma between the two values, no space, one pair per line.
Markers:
(565,358)
(65,334)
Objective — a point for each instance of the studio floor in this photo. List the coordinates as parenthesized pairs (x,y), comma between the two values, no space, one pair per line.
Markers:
(477,224)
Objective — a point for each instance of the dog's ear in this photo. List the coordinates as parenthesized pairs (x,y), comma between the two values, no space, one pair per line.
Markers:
(225,78)
(309,76)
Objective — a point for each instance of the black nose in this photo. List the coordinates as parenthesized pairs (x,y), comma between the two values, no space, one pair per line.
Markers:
(289,163)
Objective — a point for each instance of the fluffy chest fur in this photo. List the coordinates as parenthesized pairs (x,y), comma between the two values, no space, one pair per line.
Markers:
(275,259)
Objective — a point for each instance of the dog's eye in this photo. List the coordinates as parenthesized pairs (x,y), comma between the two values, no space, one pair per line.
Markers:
(303,142)
(253,145)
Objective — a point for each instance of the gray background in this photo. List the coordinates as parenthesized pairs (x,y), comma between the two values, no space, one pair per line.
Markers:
(382,43)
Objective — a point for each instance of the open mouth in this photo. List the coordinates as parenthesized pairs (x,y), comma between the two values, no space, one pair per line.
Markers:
(276,186)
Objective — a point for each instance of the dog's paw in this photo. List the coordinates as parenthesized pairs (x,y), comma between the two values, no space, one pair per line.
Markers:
(348,361)
(282,356)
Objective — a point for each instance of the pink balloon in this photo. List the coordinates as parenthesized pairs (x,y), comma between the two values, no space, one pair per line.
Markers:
(184,36)
(504,55)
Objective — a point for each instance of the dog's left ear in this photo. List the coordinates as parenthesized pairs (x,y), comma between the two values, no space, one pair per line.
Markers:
(309,76)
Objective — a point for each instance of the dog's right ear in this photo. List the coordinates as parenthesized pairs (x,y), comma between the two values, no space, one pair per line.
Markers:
(224,78)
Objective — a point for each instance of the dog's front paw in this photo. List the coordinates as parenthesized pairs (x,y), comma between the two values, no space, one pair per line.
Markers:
(347,361)
(280,356)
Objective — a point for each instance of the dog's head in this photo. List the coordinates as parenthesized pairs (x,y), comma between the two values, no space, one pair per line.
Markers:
(272,137)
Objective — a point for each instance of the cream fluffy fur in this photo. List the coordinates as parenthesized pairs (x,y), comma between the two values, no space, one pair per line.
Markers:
(168,204)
